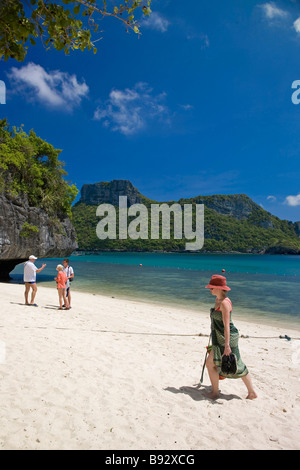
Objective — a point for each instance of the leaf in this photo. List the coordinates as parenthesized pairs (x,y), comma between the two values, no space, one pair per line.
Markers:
(76,10)
(59,46)
(136,29)
(32,41)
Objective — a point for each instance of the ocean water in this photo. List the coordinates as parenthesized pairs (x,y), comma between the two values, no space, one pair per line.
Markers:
(264,287)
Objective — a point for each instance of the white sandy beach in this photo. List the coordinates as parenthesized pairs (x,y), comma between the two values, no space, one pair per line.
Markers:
(113,374)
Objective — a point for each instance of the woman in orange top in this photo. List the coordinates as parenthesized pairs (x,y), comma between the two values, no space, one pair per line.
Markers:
(61,280)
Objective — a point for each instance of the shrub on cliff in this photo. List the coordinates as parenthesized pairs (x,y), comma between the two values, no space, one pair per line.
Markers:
(29,165)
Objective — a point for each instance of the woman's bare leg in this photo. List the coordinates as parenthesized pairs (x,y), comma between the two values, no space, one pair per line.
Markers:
(60,297)
(247,381)
(213,376)
(66,300)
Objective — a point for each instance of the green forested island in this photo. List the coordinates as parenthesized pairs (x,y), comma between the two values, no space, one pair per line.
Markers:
(232,223)
(37,202)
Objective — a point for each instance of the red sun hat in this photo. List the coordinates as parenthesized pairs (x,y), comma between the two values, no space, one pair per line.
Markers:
(217,282)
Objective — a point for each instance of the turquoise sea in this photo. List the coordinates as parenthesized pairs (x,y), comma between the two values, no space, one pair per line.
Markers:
(263,287)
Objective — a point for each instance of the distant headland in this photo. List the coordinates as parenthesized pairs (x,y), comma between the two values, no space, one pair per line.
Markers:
(232,223)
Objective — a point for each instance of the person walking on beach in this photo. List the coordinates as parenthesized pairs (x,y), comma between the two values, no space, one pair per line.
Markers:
(70,276)
(30,272)
(224,337)
(61,280)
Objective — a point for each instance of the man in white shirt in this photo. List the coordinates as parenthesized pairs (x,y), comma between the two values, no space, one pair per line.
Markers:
(30,271)
(70,276)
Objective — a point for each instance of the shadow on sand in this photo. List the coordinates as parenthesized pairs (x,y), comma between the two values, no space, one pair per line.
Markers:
(50,307)
(198,392)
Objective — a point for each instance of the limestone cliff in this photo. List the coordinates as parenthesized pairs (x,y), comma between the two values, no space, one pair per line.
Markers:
(26,230)
(108,193)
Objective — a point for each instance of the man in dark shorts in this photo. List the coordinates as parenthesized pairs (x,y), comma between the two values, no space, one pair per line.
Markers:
(70,276)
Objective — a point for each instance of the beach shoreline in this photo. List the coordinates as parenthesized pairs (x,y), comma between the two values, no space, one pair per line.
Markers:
(124,374)
(285,322)
(179,281)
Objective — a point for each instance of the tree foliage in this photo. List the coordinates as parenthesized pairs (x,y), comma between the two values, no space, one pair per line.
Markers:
(222,233)
(29,166)
(63,25)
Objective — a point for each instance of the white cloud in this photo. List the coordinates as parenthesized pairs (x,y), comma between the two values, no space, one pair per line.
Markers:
(187,107)
(55,88)
(272,12)
(201,37)
(293,200)
(129,111)
(297,25)
(157,22)
(271,198)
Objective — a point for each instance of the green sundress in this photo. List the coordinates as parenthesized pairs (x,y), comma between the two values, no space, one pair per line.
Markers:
(218,344)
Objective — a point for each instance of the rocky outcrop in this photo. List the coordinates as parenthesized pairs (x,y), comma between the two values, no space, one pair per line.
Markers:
(238,206)
(26,230)
(109,192)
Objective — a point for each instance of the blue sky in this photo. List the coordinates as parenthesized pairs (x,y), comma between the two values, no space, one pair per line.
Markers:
(200,104)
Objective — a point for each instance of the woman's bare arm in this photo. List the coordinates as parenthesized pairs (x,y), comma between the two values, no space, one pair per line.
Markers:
(225,309)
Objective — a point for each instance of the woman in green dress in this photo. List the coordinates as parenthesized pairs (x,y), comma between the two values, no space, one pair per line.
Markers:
(224,338)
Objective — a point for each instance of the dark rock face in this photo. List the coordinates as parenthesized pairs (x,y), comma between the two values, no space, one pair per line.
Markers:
(238,206)
(281,250)
(26,230)
(108,193)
